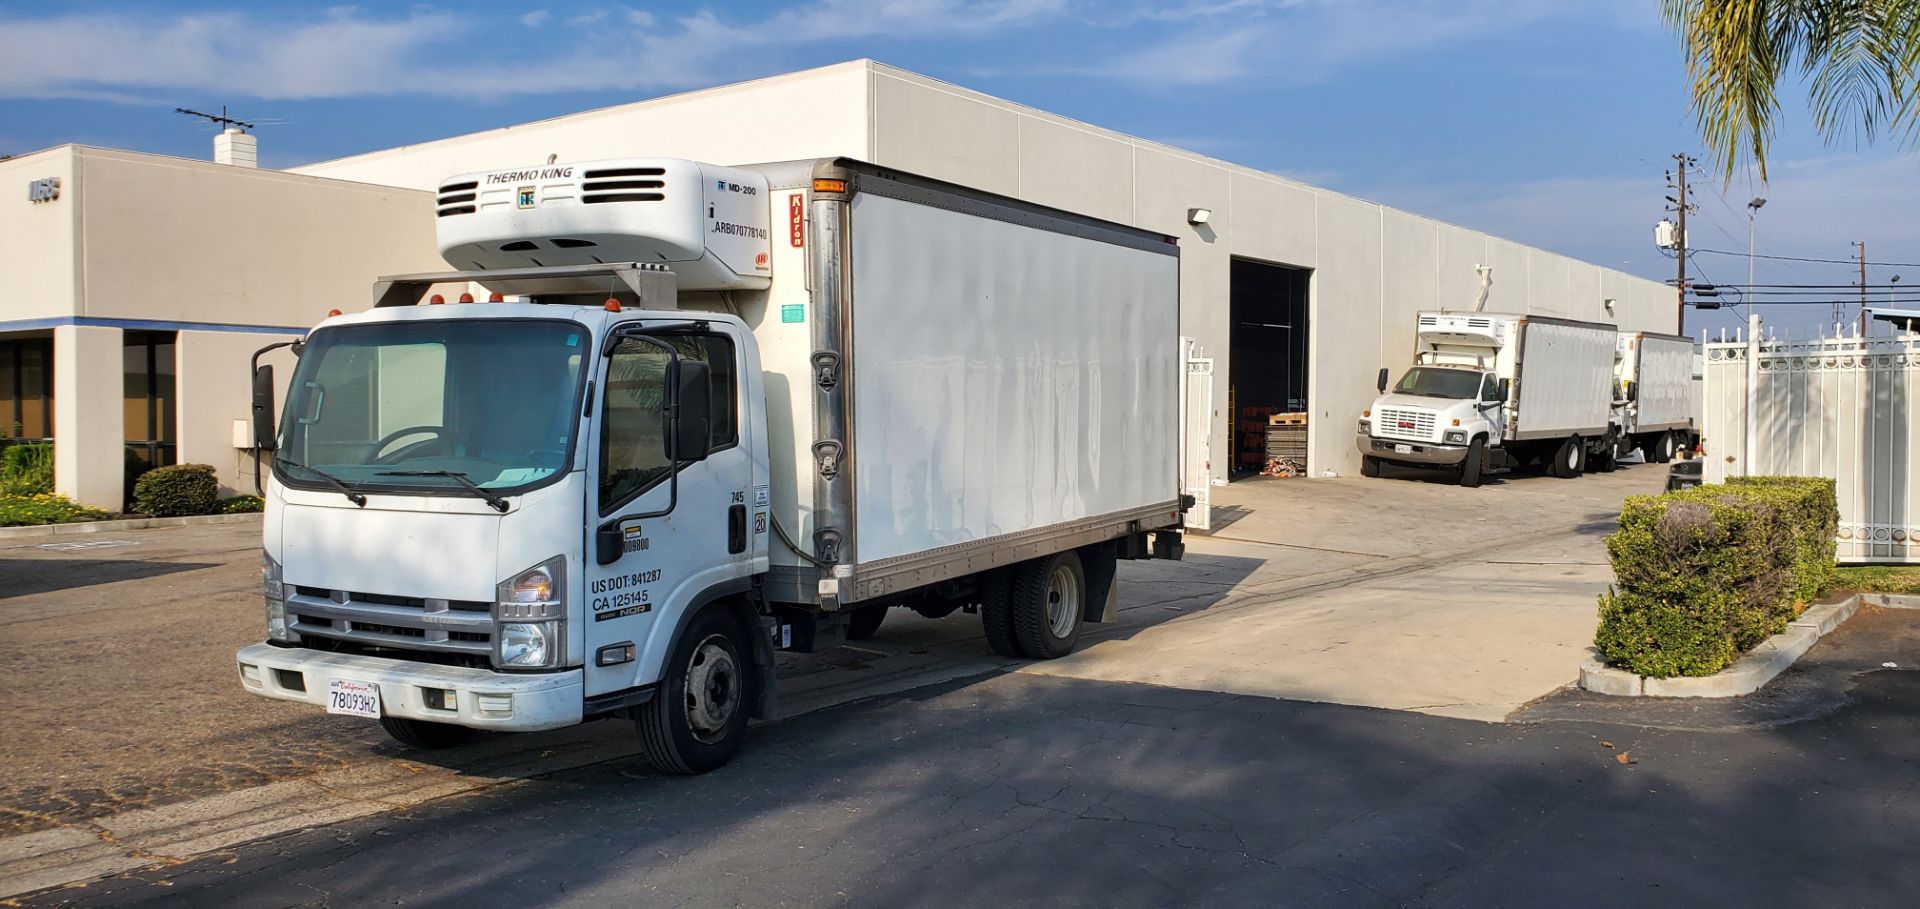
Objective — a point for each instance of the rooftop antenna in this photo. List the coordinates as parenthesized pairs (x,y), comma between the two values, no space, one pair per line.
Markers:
(222,120)
(233,145)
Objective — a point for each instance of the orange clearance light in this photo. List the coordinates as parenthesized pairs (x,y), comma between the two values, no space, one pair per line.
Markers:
(612,305)
(332,312)
(466,298)
(829,186)
(1456,421)
(436,300)
(1366,413)
(496,297)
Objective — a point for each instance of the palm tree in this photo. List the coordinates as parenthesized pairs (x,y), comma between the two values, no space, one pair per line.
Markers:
(1861,59)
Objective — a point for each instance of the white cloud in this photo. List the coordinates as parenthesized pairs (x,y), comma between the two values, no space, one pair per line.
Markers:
(347,52)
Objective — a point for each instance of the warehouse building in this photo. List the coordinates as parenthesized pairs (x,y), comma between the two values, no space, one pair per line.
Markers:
(137,287)
(1299,294)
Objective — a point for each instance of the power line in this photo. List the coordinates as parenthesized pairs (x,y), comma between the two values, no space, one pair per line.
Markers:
(1722,252)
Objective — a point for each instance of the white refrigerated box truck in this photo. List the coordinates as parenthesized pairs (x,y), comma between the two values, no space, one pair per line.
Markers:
(1654,394)
(706,413)
(1490,391)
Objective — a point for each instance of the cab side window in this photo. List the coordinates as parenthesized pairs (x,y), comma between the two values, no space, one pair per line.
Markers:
(1490,390)
(633,417)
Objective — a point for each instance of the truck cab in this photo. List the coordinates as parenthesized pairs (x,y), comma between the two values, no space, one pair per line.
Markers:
(1449,409)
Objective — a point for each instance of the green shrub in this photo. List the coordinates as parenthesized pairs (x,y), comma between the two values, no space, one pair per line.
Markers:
(241,505)
(43,508)
(1704,574)
(27,468)
(181,489)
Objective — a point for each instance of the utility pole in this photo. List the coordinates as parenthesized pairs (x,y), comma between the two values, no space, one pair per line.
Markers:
(1862,244)
(1680,205)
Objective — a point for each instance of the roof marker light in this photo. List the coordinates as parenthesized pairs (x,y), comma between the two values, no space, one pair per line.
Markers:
(436,300)
(332,312)
(496,297)
(612,305)
(466,298)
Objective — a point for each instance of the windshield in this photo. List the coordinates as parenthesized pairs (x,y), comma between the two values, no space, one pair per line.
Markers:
(408,405)
(1433,382)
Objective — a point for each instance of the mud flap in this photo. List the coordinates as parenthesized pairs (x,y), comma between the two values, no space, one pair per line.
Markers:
(1102,568)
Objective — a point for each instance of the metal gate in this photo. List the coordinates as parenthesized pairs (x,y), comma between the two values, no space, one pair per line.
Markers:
(1846,408)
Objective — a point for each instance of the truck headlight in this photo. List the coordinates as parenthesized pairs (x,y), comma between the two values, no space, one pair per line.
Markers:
(1365,427)
(530,618)
(276,597)
(1456,437)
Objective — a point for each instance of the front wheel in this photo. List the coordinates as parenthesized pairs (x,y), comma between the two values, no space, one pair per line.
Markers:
(698,718)
(1049,597)
(1470,469)
(423,734)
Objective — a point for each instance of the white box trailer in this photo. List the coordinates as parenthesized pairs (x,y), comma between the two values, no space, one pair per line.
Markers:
(861,390)
(1655,395)
(1488,391)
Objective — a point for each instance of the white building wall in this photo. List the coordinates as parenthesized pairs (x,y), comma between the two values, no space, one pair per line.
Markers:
(1375,267)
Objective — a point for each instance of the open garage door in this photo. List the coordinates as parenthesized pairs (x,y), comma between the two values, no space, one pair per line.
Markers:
(1267,382)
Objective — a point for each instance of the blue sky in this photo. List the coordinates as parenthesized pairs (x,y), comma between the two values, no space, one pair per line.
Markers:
(1546,121)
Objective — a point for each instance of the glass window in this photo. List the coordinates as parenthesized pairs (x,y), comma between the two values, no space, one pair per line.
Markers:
(633,424)
(406,404)
(1439,382)
(1490,390)
(26,389)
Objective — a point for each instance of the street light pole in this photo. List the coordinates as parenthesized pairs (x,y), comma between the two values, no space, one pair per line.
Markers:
(1752,209)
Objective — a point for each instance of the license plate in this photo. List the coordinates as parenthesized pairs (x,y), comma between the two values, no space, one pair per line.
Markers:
(346,696)
(1403,449)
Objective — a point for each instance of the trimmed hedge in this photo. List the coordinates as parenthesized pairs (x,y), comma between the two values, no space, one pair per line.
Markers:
(43,508)
(181,489)
(1704,574)
(241,505)
(26,468)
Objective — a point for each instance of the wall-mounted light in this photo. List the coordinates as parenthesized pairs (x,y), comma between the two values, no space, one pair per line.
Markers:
(1198,216)
(1610,304)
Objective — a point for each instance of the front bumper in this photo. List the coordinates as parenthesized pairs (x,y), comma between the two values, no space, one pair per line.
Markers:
(482,699)
(1423,453)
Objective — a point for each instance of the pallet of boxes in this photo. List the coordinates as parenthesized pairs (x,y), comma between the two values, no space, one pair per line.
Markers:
(1286,445)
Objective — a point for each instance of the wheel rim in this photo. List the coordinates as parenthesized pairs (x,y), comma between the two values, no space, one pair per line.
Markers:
(1063,600)
(1573,456)
(713,689)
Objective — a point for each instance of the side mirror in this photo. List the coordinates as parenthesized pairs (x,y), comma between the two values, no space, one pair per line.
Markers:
(693,424)
(1506,390)
(1380,384)
(264,438)
(609,544)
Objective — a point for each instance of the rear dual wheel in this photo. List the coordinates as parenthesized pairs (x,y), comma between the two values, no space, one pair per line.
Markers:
(1034,609)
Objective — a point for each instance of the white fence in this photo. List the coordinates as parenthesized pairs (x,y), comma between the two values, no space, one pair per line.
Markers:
(1845,408)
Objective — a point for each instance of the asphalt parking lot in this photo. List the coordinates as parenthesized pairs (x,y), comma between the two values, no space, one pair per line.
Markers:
(1398,593)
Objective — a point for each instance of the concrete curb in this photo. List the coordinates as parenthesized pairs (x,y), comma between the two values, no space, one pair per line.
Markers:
(1752,670)
(61,530)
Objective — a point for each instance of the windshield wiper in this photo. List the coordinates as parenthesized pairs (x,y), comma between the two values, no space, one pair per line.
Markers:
(356,498)
(499,504)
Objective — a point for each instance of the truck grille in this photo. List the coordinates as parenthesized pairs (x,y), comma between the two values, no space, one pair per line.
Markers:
(1394,423)
(388,622)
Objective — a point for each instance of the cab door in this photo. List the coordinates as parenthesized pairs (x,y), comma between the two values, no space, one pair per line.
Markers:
(664,533)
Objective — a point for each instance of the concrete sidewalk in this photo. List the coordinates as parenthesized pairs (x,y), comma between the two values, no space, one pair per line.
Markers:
(1387,593)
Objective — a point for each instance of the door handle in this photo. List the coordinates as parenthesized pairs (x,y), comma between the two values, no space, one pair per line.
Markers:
(737,529)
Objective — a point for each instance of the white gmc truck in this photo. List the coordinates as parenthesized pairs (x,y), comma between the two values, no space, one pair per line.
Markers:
(697,414)
(1489,391)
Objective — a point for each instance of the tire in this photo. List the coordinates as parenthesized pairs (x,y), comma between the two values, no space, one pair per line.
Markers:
(1049,599)
(1369,467)
(1475,463)
(1567,459)
(1662,448)
(996,613)
(864,622)
(424,734)
(698,717)
(1606,461)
